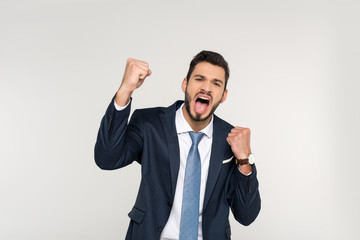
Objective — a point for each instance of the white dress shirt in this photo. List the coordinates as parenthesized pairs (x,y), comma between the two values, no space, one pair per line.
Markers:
(172,228)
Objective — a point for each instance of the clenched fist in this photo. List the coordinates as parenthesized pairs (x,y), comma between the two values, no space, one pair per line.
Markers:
(239,140)
(135,73)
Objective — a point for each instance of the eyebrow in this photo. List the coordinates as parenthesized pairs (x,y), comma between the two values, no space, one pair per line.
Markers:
(215,79)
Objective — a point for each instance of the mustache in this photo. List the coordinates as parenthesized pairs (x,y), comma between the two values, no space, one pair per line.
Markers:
(204,93)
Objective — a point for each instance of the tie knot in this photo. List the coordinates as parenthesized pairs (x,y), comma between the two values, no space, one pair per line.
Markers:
(196,137)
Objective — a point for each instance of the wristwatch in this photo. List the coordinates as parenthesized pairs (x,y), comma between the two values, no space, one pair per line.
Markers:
(250,160)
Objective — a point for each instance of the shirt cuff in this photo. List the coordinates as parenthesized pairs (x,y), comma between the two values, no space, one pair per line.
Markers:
(117,107)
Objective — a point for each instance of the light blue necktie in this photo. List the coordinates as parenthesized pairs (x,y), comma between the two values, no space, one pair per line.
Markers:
(190,203)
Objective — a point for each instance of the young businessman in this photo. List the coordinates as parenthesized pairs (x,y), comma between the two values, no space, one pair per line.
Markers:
(194,165)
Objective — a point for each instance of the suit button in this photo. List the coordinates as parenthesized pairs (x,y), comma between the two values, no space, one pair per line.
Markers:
(160,229)
(169,204)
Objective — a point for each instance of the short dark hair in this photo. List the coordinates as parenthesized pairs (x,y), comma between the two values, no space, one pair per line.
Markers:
(210,57)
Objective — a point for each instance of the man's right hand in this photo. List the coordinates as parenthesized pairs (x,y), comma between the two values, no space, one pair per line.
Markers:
(135,73)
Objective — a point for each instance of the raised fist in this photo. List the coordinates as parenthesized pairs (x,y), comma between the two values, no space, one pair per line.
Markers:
(239,140)
(135,73)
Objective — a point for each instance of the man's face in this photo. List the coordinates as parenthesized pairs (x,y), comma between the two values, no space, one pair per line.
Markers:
(204,91)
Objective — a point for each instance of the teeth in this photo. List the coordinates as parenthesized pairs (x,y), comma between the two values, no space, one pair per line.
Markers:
(204,98)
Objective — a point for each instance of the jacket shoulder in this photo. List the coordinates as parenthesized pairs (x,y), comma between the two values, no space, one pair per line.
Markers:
(222,123)
(155,111)
(148,112)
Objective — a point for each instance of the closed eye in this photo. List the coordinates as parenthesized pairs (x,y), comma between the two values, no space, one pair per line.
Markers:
(218,83)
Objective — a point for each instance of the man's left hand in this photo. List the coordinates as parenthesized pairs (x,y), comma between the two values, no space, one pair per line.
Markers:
(239,141)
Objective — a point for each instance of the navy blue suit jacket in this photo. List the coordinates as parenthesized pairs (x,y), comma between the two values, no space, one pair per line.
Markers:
(150,138)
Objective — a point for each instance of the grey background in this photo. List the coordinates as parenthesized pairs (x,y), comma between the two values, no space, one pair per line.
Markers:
(294,81)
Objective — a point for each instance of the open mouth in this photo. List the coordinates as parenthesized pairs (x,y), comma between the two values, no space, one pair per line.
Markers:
(201,104)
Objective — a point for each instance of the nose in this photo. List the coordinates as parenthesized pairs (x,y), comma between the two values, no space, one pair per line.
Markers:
(207,86)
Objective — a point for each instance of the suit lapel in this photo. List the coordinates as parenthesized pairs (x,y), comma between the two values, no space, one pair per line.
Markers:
(167,117)
(217,155)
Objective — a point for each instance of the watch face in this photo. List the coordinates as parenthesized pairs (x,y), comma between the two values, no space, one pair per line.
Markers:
(251,158)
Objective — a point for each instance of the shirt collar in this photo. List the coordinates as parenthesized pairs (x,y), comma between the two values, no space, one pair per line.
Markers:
(182,125)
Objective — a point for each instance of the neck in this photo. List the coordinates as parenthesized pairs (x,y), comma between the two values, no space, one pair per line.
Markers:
(196,126)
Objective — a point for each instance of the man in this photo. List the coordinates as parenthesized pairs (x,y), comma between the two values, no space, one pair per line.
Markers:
(195,166)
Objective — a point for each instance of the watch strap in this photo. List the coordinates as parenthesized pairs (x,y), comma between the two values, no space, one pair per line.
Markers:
(242,161)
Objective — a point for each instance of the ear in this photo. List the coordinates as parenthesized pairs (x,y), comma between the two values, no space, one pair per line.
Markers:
(184,84)
(224,96)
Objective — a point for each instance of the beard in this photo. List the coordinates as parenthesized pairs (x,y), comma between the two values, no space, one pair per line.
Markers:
(197,117)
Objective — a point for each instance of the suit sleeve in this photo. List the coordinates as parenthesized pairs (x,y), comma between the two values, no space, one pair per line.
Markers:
(118,143)
(243,196)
